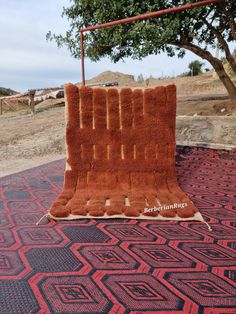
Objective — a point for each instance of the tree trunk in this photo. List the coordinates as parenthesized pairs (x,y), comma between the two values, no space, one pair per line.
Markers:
(231,60)
(223,43)
(216,63)
(225,79)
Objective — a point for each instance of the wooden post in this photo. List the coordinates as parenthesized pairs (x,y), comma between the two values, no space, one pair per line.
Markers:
(31,101)
(1,106)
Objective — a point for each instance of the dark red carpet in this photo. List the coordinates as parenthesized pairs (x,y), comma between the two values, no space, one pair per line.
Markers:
(120,266)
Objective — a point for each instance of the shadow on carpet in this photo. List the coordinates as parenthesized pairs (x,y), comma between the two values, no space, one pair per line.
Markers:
(120,266)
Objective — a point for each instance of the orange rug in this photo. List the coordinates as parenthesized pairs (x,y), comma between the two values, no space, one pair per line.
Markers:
(120,156)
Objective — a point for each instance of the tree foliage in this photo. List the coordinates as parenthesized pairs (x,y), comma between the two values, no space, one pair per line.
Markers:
(195,67)
(197,30)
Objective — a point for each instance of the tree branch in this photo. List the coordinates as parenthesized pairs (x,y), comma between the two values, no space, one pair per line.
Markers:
(196,49)
(216,63)
(230,19)
(223,43)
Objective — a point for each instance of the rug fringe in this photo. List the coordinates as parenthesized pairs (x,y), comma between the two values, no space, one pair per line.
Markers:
(197,217)
(44,216)
(208,226)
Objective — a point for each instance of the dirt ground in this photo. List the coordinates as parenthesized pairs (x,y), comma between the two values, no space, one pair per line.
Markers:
(27,141)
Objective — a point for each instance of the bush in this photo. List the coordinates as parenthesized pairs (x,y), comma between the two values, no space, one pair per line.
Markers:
(195,67)
(6,91)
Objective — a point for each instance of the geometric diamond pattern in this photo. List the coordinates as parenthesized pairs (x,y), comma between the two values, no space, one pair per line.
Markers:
(10,264)
(73,294)
(210,253)
(204,287)
(142,292)
(120,265)
(108,257)
(6,238)
(4,222)
(161,256)
(129,232)
(39,237)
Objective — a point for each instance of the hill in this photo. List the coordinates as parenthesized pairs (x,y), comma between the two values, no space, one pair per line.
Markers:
(6,92)
(205,83)
(109,76)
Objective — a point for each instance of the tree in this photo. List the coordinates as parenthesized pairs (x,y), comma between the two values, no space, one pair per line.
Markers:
(140,78)
(195,67)
(197,30)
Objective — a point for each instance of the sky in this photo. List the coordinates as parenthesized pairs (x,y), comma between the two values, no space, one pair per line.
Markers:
(28,61)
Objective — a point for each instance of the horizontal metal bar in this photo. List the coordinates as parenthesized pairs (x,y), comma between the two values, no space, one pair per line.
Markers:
(151,14)
(136,18)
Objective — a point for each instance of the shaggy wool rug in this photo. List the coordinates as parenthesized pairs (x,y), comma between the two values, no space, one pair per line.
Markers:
(120,156)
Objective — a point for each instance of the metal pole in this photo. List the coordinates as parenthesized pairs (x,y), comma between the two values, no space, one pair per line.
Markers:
(136,18)
(152,14)
(82,56)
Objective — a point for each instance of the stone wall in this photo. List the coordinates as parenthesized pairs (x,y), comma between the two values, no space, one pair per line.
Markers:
(206,131)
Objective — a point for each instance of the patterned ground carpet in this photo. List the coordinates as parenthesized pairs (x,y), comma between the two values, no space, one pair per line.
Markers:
(120,266)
